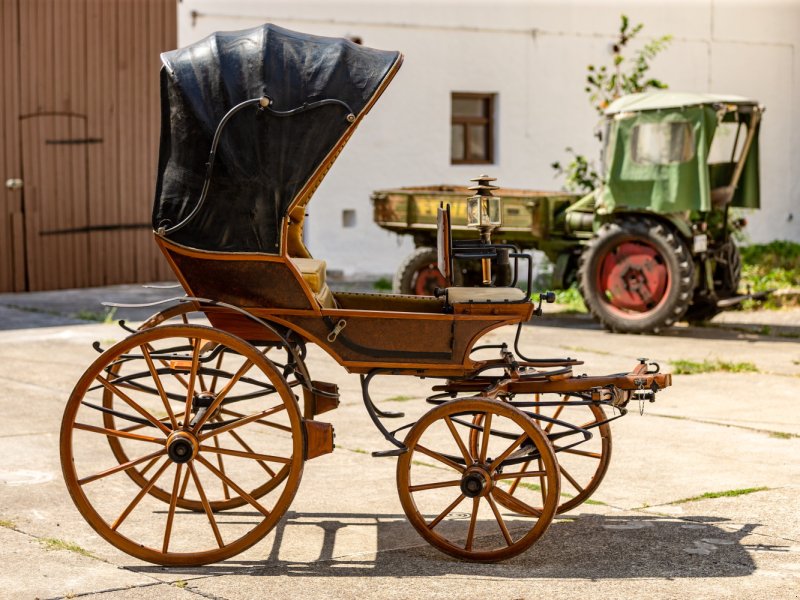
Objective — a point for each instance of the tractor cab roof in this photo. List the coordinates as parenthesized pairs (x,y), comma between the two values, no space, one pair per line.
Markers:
(670,100)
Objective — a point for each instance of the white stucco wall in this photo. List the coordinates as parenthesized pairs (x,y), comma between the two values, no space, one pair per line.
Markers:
(533,55)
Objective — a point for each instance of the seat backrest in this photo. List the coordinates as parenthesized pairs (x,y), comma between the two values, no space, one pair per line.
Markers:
(444,244)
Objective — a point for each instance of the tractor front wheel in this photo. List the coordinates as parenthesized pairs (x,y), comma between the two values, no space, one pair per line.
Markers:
(636,276)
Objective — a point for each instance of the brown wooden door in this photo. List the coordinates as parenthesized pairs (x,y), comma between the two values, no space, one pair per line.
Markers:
(79,107)
(54,161)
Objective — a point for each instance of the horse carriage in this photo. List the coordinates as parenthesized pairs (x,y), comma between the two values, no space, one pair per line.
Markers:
(184,443)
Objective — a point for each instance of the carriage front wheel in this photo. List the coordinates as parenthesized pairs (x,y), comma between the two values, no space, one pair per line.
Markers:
(176,423)
(455,496)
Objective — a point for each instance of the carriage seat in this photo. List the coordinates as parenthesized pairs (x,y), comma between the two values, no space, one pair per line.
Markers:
(461,295)
(313,272)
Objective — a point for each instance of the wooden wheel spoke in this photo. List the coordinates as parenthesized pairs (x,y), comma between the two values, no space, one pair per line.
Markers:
(487,432)
(476,501)
(244,445)
(225,491)
(542,483)
(145,489)
(519,475)
(153,456)
(184,485)
(195,343)
(507,452)
(514,503)
(515,483)
(132,403)
(243,421)
(241,454)
(224,392)
(250,500)
(213,386)
(159,385)
(498,517)
(206,506)
(596,455)
(464,452)
(148,466)
(440,457)
(118,433)
(445,512)
(227,411)
(570,478)
(550,425)
(433,486)
(173,501)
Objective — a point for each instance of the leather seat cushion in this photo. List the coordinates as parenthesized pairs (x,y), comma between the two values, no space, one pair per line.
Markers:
(460,295)
(313,271)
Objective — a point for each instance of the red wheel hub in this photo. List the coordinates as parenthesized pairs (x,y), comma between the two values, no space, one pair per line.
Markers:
(428,279)
(633,277)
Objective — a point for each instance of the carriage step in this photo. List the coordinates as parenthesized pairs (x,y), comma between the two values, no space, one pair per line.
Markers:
(319,438)
(321,398)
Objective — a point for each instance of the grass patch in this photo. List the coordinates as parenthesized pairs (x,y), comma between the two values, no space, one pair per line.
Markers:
(691,367)
(384,284)
(725,494)
(781,435)
(34,309)
(359,450)
(180,583)
(56,544)
(8,524)
(772,266)
(571,298)
(400,398)
(106,316)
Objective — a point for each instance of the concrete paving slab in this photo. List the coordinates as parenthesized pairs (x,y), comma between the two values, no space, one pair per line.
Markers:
(41,568)
(345,535)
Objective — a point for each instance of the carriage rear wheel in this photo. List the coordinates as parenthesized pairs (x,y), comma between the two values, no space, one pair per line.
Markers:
(174,422)
(582,464)
(224,368)
(454,496)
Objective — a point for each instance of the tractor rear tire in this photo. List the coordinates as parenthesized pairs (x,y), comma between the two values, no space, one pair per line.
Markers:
(636,275)
(419,274)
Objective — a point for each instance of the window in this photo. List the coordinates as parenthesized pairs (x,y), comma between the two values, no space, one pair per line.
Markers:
(471,128)
(662,143)
(728,143)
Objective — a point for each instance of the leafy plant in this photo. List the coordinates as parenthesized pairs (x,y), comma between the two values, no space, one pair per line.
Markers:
(772,266)
(580,175)
(383,284)
(626,74)
(572,298)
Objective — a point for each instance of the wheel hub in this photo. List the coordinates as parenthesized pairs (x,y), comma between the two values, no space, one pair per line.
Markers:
(634,277)
(181,446)
(475,482)
(428,279)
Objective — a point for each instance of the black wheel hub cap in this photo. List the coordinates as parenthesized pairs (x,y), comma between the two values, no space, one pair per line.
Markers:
(472,484)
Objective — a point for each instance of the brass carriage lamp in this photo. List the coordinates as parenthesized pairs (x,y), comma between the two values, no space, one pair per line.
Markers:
(483,213)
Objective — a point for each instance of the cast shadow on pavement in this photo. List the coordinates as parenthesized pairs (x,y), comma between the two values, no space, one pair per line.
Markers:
(583,546)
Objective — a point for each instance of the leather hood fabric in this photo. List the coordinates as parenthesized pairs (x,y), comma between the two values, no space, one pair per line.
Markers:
(264,158)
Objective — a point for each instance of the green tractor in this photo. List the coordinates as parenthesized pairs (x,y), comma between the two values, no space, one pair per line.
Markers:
(651,246)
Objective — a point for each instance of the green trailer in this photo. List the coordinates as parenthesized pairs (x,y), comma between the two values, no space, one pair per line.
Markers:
(650,246)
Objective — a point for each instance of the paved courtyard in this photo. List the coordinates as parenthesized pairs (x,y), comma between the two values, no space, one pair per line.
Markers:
(669,521)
